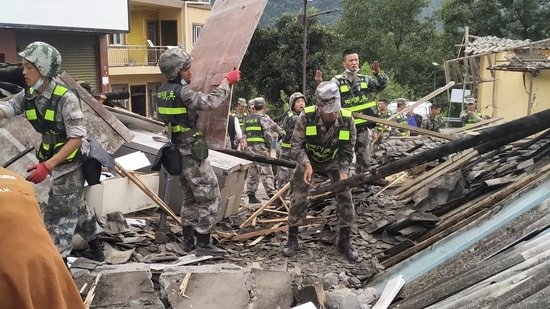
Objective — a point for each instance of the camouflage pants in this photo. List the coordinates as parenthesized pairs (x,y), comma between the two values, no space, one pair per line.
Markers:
(264,170)
(345,210)
(67,213)
(362,151)
(201,195)
(283,173)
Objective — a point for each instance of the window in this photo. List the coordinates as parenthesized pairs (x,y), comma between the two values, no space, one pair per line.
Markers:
(117,39)
(197,29)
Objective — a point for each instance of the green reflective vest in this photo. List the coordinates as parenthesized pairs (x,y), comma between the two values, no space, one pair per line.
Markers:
(356,100)
(253,129)
(53,136)
(172,110)
(315,148)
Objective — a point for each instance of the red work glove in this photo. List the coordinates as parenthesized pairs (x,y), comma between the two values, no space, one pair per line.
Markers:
(375,67)
(40,172)
(233,76)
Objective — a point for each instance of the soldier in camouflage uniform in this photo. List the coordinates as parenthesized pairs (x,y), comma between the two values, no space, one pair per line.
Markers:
(297,104)
(323,140)
(258,128)
(357,95)
(383,131)
(433,121)
(177,105)
(55,112)
(401,118)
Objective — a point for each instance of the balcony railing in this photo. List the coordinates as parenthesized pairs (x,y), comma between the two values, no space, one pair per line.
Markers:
(134,55)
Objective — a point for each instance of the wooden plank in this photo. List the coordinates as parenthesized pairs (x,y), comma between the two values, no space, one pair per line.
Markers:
(96,116)
(248,221)
(405,126)
(150,193)
(422,100)
(257,240)
(416,184)
(217,52)
(259,233)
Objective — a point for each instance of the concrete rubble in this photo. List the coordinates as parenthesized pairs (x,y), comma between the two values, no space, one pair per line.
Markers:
(136,285)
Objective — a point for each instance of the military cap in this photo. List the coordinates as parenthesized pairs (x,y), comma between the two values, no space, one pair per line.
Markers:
(44,57)
(327,95)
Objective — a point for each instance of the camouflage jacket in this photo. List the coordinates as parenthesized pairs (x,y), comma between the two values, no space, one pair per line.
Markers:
(431,123)
(70,113)
(268,126)
(329,137)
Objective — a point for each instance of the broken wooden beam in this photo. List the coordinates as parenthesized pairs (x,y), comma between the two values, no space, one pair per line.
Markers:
(147,191)
(258,158)
(488,140)
(259,233)
(405,127)
(248,221)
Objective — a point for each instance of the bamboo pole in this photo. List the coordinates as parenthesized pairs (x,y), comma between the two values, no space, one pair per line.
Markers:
(147,191)
(261,209)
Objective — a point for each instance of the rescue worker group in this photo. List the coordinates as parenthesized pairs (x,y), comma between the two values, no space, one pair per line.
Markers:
(321,137)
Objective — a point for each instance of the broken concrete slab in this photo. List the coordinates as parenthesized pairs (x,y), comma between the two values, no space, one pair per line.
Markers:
(264,293)
(207,290)
(240,287)
(126,290)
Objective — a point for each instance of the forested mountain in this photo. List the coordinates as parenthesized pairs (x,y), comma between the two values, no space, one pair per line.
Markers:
(276,8)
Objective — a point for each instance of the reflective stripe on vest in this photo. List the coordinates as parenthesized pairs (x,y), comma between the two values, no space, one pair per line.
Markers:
(320,153)
(46,125)
(172,109)
(253,129)
(355,103)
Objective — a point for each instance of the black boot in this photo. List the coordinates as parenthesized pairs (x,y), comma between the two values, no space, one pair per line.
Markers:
(96,250)
(344,246)
(188,243)
(252,199)
(205,247)
(292,244)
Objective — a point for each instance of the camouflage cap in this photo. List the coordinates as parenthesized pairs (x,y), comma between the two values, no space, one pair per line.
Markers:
(172,61)
(327,95)
(44,57)
(259,103)
(294,97)
(241,101)
(401,101)
(251,103)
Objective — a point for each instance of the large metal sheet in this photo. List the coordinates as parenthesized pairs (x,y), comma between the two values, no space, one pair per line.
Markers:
(221,47)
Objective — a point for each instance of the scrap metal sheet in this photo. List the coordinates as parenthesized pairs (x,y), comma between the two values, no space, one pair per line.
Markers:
(223,42)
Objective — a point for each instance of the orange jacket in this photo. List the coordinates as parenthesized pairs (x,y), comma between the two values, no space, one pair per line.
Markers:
(32,273)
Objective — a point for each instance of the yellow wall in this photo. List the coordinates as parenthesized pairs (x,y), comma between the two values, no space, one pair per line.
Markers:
(132,80)
(195,15)
(508,96)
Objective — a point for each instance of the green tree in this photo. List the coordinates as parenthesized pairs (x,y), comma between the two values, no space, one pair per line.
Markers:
(272,66)
(525,19)
(390,32)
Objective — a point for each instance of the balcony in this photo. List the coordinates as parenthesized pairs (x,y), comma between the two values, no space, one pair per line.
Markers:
(134,59)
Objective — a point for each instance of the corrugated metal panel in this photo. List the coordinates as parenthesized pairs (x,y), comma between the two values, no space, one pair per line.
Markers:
(79,53)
